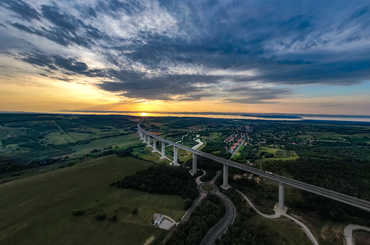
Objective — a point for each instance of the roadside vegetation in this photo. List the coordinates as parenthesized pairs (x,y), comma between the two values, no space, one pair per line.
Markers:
(324,217)
(162,179)
(250,228)
(203,218)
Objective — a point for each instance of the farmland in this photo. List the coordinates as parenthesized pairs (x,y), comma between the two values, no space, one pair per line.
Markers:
(40,209)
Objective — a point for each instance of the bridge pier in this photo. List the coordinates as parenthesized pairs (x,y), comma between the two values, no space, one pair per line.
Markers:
(163,150)
(141,135)
(225,184)
(175,156)
(148,141)
(154,145)
(195,169)
(281,204)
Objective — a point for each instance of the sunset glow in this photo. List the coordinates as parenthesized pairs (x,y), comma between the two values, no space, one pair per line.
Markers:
(54,57)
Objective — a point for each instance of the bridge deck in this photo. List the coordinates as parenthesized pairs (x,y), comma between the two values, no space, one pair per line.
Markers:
(347,199)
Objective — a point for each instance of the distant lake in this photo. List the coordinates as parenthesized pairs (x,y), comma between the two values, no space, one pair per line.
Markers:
(251,116)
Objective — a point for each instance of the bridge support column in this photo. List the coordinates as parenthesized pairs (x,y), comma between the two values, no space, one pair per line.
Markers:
(281,204)
(175,156)
(225,184)
(148,141)
(154,145)
(195,168)
(163,150)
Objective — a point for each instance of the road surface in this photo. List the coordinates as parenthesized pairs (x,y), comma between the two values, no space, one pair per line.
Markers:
(197,201)
(348,231)
(278,215)
(228,219)
(237,148)
(196,147)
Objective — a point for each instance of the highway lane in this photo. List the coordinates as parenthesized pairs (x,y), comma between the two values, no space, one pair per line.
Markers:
(347,199)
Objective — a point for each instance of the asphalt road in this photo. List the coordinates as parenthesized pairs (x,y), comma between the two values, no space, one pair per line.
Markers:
(228,219)
(237,149)
(348,231)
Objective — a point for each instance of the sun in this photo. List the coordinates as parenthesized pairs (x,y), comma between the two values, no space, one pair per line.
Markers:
(144,114)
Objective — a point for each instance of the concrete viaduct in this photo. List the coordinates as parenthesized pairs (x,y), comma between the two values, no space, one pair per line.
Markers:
(151,140)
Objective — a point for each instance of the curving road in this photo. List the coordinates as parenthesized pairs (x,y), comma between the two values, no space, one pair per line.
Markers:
(348,231)
(267,216)
(278,214)
(228,219)
(197,201)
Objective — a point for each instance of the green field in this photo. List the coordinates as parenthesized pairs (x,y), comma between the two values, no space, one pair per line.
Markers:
(45,138)
(278,154)
(38,209)
(288,232)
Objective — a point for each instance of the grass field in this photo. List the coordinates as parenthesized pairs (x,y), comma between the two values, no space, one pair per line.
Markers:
(38,209)
(288,232)
(123,141)
(278,154)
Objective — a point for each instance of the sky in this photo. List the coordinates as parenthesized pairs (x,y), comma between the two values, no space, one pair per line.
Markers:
(269,56)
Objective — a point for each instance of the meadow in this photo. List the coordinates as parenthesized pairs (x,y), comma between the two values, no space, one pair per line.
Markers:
(77,205)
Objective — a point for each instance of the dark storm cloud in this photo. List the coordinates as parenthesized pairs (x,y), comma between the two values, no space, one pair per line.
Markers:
(137,85)
(21,8)
(67,22)
(287,43)
(66,29)
(132,83)
(56,62)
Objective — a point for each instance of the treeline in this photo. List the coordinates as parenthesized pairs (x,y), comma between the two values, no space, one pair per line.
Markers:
(203,218)
(350,178)
(265,195)
(217,147)
(162,179)
(210,166)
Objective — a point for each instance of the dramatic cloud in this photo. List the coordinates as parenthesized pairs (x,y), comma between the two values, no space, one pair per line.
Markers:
(238,51)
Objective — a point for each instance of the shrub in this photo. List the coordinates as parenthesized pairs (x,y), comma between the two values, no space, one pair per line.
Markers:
(78,212)
(113,218)
(135,211)
(100,217)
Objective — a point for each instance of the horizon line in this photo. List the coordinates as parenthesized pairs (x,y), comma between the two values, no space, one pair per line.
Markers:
(297,115)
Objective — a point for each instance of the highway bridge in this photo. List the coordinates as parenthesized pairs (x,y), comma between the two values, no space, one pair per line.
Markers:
(151,140)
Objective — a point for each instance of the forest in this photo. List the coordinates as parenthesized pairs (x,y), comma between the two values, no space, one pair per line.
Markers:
(203,218)
(162,179)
